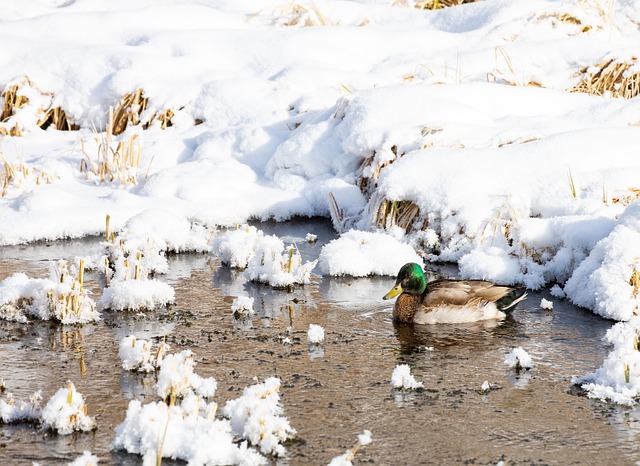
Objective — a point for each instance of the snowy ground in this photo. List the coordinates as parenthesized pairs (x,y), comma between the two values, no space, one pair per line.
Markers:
(458,125)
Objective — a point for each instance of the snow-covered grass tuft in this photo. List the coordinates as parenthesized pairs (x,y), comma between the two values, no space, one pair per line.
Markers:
(242,305)
(235,248)
(146,294)
(346,458)
(60,298)
(186,431)
(139,355)
(361,253)
(402,379)
(485,387)
(315,334)
(257,417)
(518,359)
(177,379)
(618,379)
(262,257)
(12,410)
(66,412)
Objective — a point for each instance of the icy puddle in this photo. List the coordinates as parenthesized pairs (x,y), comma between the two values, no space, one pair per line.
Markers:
(335,390)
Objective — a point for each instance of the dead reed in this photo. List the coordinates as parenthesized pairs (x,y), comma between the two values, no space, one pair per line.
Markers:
(73,302)
(611,78)
(18,174)
(113,164)
(404,214)
(634,281)
(296,14)
(14,98)
(439,4)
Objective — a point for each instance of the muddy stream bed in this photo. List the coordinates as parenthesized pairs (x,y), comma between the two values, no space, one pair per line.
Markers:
(332,393)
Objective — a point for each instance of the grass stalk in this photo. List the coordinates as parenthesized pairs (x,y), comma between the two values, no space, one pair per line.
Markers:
(572,186)
(634,281)
(627,374)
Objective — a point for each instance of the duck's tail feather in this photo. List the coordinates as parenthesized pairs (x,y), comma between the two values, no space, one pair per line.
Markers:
(508,302)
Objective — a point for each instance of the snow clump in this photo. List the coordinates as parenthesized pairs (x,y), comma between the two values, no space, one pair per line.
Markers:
(60,298)
(315,334)
(66,412)
(12,410)
(402,379)
(346,458)
(257,417)
(176,377)
(361,253)
(139,355)
(242,305)
(618,379)
(518,359)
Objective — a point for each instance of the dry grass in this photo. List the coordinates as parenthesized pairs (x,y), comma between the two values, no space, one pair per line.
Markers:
(438,4)
(119,164)
(14,99)
(634,194)
(72,303)
(634,281)
(129,111)
(18,173)
(57,118)
(296,14)
(126,112)
(404,214)
(610,78)
(368,172)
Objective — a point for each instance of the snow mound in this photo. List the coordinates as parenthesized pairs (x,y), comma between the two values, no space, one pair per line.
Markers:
(257,417)
(60,298)
(139,355)
(362,253)
(618,379)
(66,412)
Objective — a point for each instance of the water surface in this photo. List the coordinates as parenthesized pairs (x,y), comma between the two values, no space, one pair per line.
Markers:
(330,393)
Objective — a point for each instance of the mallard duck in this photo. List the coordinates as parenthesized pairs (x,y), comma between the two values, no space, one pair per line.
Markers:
(449,301)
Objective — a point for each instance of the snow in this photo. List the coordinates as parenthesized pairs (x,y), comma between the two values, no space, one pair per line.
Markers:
(145,294)
(262,257)
(257,416)
(66,412)
(86,459)
(518,359)
(139,355)
(618,379)
(183,425)
(485,387)
(176,377)
(459,140)
(243,305)
(60,298)
(546,304)
(402,379)
(12,410)
(315,334)
(362,253)
(346,458)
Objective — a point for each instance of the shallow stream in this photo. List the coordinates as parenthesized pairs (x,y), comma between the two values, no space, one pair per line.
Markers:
(331,393)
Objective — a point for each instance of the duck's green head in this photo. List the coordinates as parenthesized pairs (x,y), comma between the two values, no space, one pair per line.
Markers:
(411,280)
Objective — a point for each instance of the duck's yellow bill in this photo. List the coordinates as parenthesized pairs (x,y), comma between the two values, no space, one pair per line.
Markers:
(395,291)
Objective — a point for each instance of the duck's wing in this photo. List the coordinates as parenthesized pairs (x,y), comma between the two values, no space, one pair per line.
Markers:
(462,292)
